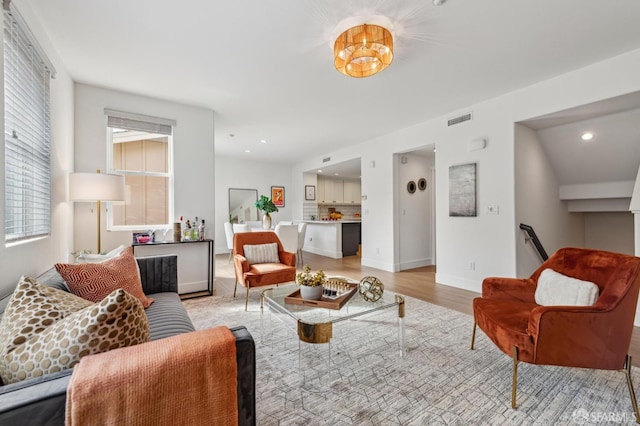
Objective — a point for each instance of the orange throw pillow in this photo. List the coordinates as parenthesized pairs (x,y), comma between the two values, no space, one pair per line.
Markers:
(94,281)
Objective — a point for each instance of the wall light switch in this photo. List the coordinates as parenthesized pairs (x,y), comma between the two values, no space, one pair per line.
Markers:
(493,209)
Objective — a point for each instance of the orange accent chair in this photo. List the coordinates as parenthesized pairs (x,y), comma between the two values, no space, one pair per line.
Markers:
(596,336)
(261,274)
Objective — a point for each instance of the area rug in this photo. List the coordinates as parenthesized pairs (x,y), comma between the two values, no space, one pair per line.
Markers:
(440,380)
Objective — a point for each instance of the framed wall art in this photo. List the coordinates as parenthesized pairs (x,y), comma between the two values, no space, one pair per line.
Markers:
(462,190)
(309,193)
(277,195)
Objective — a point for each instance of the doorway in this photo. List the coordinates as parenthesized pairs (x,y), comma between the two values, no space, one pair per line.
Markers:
(415,208)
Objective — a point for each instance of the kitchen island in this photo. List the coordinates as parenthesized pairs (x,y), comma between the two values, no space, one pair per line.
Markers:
(332,238)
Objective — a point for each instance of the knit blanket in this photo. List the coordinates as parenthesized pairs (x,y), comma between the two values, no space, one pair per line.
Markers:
(187,379)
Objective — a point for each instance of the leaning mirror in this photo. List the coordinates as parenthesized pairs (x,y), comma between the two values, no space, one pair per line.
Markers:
(242,206)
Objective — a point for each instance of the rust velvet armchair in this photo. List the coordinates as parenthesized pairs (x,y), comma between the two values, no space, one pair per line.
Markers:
(257,272)
(596,336)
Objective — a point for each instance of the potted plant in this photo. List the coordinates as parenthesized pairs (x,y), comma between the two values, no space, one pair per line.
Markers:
(266,205)
(310,284)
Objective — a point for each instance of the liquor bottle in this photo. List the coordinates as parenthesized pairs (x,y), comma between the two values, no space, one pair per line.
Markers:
(201,231)
(187,231)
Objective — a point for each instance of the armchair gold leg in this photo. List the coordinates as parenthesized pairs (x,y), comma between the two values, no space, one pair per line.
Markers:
(246,302)
(632,394)
(473,336)
(234,289)
(514,385)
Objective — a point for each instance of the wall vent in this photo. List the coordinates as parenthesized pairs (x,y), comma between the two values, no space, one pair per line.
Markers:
(460,119)
(326,159)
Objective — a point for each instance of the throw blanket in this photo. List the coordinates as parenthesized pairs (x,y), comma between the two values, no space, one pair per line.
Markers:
(189,379)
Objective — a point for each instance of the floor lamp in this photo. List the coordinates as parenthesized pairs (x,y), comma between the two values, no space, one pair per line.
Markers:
(96,187)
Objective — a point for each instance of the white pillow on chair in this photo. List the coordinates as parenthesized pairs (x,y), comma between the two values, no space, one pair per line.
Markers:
(555,289)
(261,253)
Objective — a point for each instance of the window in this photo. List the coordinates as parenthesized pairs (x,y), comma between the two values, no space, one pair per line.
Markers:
(27,138)
(140,148)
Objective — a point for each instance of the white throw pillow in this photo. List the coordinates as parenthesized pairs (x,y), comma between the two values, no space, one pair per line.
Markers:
(556,289)
(97,258)
(262,253)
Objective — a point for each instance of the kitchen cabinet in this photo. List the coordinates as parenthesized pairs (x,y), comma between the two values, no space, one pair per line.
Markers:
(338,191)
(352,190)
(330,191)
(334,191)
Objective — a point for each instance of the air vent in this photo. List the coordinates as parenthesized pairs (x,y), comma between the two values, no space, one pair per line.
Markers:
(326,159)
(458,120)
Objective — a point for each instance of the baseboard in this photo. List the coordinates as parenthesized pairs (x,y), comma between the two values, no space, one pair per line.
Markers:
(321,252)
(373,263)
(418,263)
(458,282)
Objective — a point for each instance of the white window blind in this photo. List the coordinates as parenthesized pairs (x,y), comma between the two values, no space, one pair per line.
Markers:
(27,73)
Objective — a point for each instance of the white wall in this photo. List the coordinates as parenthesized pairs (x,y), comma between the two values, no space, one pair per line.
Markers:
(35,257)
(611,231)
(538,204)
(488,240)
(250,174)
(193,156)
(415,213)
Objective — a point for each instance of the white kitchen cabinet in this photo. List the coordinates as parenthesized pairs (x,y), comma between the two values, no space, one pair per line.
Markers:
(352,190)
(334,191)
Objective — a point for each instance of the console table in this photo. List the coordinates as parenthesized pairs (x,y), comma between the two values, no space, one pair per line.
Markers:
(193,280)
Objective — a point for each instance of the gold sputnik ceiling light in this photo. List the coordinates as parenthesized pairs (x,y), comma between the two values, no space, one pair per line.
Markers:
(363,50)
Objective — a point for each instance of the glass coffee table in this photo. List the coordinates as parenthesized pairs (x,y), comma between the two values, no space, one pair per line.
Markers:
(315,324)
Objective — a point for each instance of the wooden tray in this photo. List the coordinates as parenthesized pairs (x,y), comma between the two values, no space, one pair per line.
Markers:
(326,302)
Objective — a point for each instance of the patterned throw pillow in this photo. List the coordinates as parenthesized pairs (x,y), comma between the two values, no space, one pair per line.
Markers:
(117,321)
(261,253)
(93,281)
(32,308)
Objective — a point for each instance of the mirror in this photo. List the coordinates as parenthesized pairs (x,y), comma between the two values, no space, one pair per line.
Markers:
(242,205)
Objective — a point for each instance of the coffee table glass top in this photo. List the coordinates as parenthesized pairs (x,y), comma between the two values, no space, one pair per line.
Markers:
(355,306)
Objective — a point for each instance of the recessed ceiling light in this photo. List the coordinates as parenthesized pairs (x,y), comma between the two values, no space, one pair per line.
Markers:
(263,141)
(587,136)
(319,171)
(337,174)
(247,150)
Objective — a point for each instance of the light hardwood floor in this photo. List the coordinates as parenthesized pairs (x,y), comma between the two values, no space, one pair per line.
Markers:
(419,283)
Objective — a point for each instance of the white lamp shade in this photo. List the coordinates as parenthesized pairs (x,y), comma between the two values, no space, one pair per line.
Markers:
(96,187)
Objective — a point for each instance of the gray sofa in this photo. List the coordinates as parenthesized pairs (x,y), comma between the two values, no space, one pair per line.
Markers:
(41,401)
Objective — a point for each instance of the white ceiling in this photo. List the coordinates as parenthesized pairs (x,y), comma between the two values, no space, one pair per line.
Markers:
(266,67)
(613,155)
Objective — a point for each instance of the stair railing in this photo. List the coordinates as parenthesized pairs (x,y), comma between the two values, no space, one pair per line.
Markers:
(531,236)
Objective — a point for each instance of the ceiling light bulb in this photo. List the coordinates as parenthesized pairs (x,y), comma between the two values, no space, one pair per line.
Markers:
(587,136)
(319,171)
(247,150)
(263,141)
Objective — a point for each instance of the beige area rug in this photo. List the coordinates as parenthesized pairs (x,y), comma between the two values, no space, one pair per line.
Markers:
(440,381)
